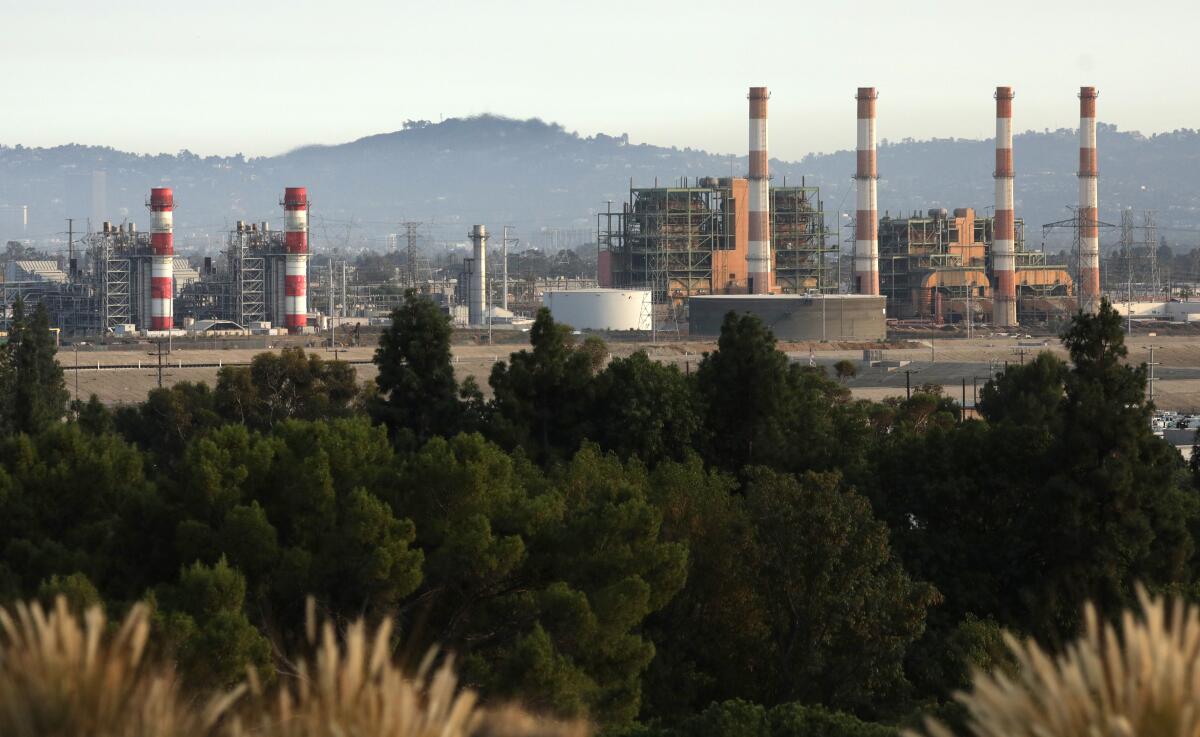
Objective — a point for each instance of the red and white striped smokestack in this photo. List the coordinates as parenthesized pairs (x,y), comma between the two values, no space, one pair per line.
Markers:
(866,220)
(162,249)
(1089,231)
(758,255)
(295,226)
(1004,303)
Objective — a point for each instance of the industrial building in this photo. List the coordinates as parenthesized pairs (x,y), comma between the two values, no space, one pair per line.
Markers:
(737,236)
(264,277)
(795,316)
(935,266)
(125,280)
(695,239)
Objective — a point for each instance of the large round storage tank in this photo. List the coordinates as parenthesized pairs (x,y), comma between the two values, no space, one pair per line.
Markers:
(600,309)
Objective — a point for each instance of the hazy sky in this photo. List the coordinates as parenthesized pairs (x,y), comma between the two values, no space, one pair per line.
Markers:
(260,77)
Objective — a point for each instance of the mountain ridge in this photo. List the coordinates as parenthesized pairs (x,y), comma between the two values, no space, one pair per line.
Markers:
(539,176)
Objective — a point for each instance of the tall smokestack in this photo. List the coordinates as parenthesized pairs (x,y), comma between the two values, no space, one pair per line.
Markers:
(1004,303)
(1089,232)
(295,274)
(758,257)
(866,219)
(162,249)
(477,304)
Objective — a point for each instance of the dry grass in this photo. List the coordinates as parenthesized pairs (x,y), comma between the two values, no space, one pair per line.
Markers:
(1141,680)
(67,676)
(62,676)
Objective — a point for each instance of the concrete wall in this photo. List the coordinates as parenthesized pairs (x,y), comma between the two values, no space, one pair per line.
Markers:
(792,317)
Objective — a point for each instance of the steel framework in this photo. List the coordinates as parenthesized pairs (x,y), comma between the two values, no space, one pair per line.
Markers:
(803,256)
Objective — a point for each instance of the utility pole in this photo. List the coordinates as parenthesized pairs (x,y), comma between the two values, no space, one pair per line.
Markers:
(343,288)
(159,365)
(1150,379)
(332,319)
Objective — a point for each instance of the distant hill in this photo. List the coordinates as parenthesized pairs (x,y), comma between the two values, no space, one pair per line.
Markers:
(538,175)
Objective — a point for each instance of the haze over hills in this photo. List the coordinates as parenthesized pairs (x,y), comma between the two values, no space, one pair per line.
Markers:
(539,176)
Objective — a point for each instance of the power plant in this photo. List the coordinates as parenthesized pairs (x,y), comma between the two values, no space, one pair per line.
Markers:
(716,237)
(694,248)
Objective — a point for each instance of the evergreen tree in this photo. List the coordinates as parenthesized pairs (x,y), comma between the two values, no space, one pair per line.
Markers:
(287,385)
(646,409)
(542,396)
(33,376)
(419,395)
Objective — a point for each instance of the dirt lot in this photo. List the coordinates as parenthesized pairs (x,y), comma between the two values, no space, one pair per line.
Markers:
(946,362)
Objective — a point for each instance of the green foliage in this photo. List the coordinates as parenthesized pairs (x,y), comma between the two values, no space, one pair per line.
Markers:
(843,612)
(287,385)
(79,592)
(33,393)
(542,396)
(540,582)
(203,615)
(761,410)
(93,416)
(845,369)
(169,419)
(803,720)
(737,718)
(646,409)
(63,494)
(1063,495)
(714,638)
(619,539)
(419,395)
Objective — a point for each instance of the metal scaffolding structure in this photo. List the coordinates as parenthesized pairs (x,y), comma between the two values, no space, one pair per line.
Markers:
(686,240)
(804,259)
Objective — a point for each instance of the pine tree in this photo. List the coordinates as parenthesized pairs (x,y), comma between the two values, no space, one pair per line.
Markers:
(36,390)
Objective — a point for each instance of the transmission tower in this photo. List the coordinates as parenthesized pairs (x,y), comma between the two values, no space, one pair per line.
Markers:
(1150,234)
(412,275)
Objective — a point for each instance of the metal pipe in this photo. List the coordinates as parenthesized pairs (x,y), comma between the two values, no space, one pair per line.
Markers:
(295,227)
(1087,216)
(758,255)
(1004,306)
(162,248)
(866,219)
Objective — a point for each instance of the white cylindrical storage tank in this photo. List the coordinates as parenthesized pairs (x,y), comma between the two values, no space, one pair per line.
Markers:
(477,304)
(601,309)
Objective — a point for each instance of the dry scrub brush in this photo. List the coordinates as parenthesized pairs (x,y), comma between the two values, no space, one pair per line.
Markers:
(1142,680)
(63,676)
(66,676)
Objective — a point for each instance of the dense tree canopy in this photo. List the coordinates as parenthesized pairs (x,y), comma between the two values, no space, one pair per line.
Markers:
(741,550)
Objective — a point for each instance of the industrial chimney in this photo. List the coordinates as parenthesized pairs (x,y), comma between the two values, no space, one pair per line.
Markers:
(1004,303)
(759,257)
(295,240)
(866,219)
(1087,217)
(162,249)
(477,304)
